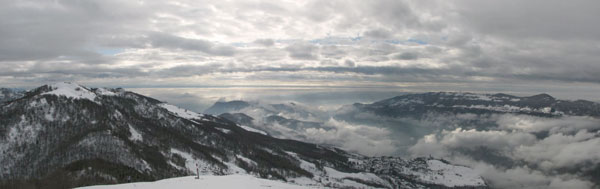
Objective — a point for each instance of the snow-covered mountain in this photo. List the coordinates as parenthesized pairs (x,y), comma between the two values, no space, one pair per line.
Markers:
(66,135)
(420,104)
(421,113)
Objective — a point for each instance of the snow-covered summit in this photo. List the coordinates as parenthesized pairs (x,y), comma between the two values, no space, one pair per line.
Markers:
(70,90)
(76,91)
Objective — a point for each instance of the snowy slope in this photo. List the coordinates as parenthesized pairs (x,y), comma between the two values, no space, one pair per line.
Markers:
(70,90)
(182,112)
(224,182)
(247,128)
(449,175)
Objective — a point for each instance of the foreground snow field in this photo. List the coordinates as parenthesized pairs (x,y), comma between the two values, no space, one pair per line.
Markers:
(207,181)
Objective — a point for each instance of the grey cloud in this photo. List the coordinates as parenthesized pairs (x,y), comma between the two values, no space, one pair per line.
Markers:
(188,70)
(303,51)
(469,43)
(320,11)
(349,63)
(162,40)
(333,51)
(257,56)
(56,69)
(534,124)
(524,177)
(359,138)
(45,30)
(407,56)
(389,73)
(367,70)
(533,19)
(561,151)
(378,34)
(328,62)
(265,42)
(385,70)
(512,150)
(398,14)
(528,42)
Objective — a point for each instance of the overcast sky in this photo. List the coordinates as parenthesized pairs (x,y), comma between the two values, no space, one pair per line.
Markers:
(468,44)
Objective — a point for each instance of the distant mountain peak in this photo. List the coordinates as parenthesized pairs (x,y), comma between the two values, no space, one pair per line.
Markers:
(70,90)
(542,96)
(501,95)
(226,106)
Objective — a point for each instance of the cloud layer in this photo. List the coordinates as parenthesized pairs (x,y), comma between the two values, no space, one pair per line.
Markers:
(315,43)
(523,151)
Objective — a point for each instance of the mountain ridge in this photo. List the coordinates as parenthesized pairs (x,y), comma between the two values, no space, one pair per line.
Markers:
(87,136)
(537,105)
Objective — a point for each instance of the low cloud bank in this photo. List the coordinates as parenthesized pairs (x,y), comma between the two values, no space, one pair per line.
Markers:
(523,151)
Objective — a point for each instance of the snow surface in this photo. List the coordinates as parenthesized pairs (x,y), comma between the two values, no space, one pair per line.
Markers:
(70,90)
(182,112)
(189,159)
(247,128)
(105,92)
(49,114)
(333,177)
(135,135)
(450,175)
(206,181)
(510,108)
(332,173)
(407,101)
(35,103)
(245,159)
(226,131)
